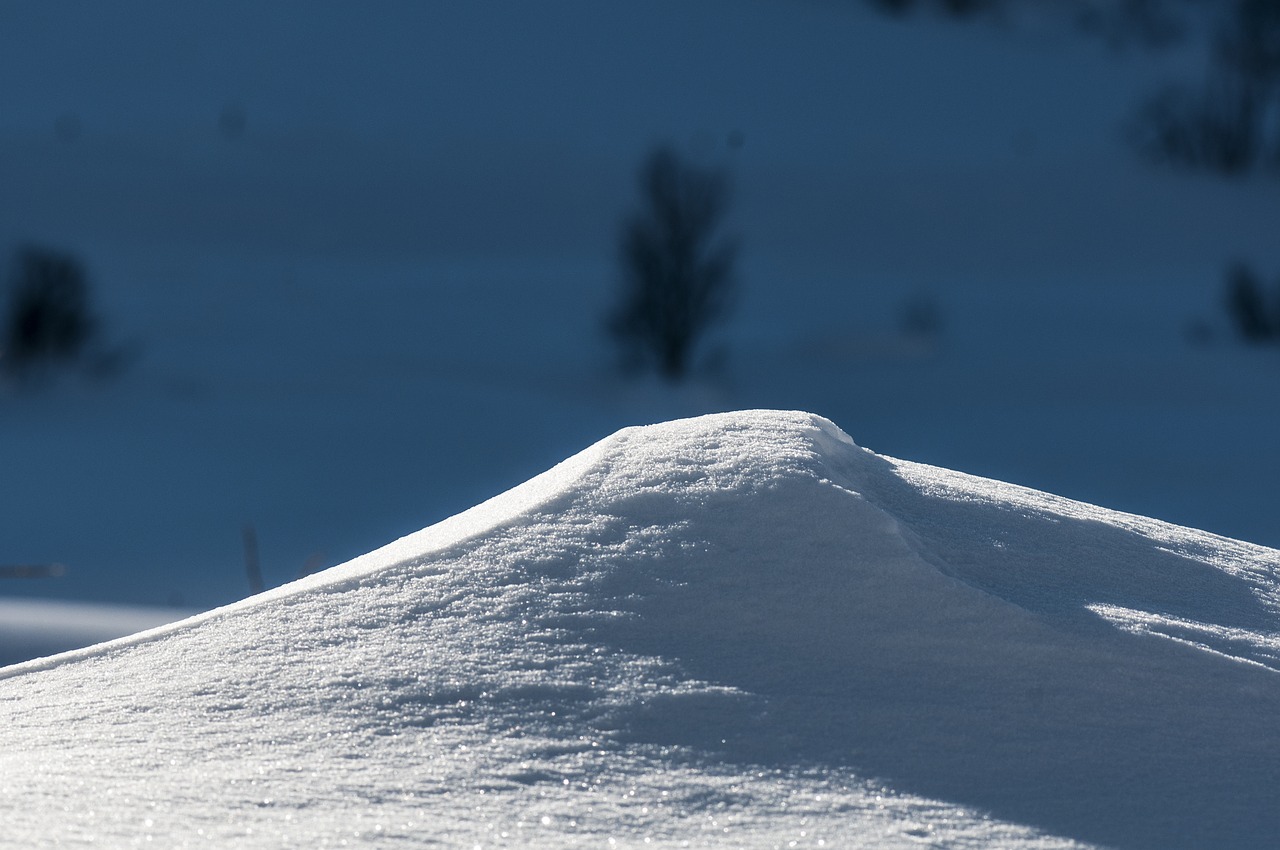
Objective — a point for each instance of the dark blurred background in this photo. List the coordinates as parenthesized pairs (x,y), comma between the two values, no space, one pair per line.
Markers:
(286,281)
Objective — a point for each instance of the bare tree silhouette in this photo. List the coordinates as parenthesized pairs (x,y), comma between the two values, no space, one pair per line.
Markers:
(678,271)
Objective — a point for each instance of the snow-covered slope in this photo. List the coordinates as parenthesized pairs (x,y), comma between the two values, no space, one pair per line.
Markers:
(737,630)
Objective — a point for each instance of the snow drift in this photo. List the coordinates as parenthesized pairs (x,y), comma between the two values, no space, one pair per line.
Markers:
(739,629)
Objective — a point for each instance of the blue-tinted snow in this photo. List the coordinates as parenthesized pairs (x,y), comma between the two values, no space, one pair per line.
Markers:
(430,237)
(374,297)
(32,628)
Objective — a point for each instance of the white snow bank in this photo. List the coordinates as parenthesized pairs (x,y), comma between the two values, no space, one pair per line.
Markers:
(740,629)
(37,627)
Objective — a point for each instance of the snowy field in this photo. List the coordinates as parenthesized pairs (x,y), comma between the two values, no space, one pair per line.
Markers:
(363,296)
(331,436)
(733,630)
(358,297)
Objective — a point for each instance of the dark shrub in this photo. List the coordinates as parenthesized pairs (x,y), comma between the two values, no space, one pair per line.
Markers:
(1254,309)
(49,320)
(1246,304)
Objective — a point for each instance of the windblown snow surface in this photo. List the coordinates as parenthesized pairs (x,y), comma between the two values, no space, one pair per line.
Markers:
(735,630)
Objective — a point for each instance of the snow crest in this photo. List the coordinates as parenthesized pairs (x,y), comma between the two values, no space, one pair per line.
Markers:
(739,629)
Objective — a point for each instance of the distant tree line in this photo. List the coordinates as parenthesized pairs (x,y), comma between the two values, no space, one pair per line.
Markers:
(1228,122)
(1148,22)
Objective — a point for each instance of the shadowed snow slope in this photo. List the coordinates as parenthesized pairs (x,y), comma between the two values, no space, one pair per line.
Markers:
(740,629)
(32,627)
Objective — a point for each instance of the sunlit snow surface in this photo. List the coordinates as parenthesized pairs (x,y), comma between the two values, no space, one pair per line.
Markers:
(736,630)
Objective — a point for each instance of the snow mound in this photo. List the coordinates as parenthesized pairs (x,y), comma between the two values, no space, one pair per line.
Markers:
(739,629)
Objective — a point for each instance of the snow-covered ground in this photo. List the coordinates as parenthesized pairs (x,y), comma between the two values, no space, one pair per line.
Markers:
(365,295)
(31,628)
(359,258)
(332,436)
(732,630)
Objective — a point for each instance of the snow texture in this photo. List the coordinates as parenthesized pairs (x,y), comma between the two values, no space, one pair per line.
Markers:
(735,630)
